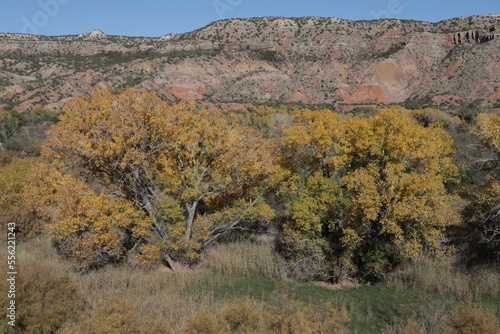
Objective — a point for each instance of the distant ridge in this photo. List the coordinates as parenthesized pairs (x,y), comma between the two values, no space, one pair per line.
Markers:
(310,60)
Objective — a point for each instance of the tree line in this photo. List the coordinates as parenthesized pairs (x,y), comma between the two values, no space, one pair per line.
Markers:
(130,177)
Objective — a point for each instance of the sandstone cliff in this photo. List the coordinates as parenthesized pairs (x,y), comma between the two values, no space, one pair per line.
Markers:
(307,60)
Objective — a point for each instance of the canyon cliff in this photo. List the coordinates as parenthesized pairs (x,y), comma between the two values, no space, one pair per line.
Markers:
(276,60)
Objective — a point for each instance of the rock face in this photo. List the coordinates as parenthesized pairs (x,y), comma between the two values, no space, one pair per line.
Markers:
(307,60)
(476,36)
(95,34)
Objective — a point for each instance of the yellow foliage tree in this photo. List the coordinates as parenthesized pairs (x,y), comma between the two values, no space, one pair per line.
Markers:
(488,129)
(194,173)
(395,171)
(13,178)
(312,190)
(311,141)
(392,171)
(485,204)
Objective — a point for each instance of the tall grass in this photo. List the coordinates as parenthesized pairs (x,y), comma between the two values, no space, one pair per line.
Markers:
(416,299)
(445,277)
(41,250)
(247,257)
(161,295)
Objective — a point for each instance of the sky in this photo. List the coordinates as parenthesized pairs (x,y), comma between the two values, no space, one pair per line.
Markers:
(154,18)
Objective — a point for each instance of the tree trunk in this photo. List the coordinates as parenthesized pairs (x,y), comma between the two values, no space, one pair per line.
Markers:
(191,210)
(168,262)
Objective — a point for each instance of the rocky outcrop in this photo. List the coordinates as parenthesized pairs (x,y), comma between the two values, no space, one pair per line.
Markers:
(95,34)
(475,36)
(307,60)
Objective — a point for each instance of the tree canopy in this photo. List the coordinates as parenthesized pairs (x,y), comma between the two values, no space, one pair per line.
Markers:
(194,173)
(131,176)
(389,202)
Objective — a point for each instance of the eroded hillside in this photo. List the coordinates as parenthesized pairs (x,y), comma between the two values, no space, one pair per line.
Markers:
(265,60)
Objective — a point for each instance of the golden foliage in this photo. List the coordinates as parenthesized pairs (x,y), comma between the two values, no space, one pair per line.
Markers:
(149,255)
(312,138)
(396,172)
(13,178)
(488,129)
(88,228)
(168,161)
(392,171)
(315,198)
(484,208)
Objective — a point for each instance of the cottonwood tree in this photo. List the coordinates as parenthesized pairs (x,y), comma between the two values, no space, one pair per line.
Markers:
(391,201)
(10,122)
(484,208)
(193,172)
(312,191)
(13,178)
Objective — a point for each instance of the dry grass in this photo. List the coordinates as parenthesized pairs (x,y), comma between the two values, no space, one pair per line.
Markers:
(444,276)
(186,298)
(158,294)
(162,295)
(41,250)
(247,257)
(464,319)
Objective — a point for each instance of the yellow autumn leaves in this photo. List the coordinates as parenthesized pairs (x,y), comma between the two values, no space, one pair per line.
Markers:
(88,228)
(392,172)
(181,167)
(129,174)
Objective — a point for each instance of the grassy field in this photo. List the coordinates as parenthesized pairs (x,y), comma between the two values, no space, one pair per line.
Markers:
(426,299)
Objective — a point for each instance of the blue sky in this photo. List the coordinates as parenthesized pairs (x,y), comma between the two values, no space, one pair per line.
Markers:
(160,17)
